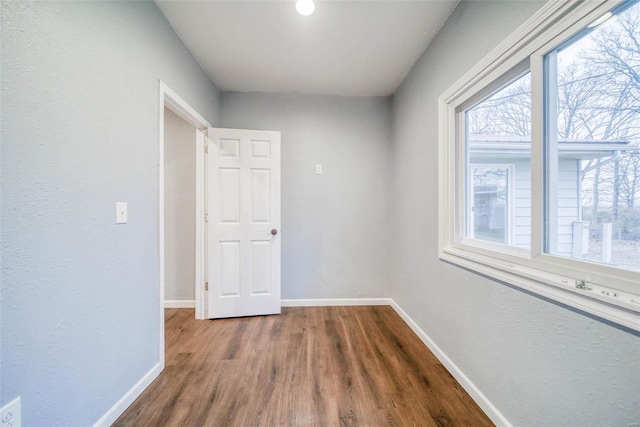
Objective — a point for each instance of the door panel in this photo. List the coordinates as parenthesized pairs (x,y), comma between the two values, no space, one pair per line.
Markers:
(260,267)
(243,201)
(229,268)
(260,195)
(229,195)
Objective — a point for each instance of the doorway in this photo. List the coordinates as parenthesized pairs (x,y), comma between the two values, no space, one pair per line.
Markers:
(178,106)
(179,211)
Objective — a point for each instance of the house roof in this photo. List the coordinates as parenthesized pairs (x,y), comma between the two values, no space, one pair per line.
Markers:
(519,147)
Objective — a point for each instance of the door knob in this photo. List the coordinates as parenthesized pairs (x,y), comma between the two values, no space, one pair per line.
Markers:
(274,232)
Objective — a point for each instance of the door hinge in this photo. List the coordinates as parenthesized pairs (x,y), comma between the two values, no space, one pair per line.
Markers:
(206,148)
(206,217)
(206,286)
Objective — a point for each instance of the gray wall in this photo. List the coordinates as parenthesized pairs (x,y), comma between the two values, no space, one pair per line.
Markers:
(179,208)
(80,315)
(537,362)
(336,226)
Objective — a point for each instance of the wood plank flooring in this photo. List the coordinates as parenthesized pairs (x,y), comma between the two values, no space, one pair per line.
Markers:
(309,366)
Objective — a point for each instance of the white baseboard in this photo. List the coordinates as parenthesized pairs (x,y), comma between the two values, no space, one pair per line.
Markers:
(175,303)
(327,302)
(492,412)
(121,405)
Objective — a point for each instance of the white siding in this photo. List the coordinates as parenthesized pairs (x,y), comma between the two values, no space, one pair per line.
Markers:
(522,231)
(567,203)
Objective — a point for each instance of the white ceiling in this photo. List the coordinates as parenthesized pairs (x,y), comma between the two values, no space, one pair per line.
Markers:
(356,48)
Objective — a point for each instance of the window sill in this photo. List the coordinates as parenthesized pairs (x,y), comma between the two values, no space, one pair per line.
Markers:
(614,306)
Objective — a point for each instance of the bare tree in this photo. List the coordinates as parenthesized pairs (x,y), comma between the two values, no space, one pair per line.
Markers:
(614,62)
(506,113)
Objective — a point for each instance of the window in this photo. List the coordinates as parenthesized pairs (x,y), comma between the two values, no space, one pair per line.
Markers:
(540,160)
(498,149)
(592,162)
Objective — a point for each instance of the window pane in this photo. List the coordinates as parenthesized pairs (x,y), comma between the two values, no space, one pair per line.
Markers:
(491,203)
(592,159)
(498,142)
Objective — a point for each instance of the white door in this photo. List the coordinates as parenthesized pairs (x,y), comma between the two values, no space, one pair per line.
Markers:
(243,226)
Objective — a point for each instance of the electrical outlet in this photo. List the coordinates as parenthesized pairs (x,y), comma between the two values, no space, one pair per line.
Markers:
(10,415)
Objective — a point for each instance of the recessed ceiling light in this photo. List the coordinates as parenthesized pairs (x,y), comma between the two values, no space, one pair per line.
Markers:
(305,7)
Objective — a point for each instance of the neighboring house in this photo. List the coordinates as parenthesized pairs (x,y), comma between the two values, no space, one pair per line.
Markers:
(501,200)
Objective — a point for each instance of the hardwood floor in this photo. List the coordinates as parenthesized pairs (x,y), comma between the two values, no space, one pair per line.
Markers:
(309,366)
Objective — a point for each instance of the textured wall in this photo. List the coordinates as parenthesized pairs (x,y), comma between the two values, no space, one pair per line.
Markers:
(336,226)
(537,362)
(80,315)
(179,208)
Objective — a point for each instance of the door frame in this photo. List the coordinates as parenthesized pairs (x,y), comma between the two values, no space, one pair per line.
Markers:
(171,100)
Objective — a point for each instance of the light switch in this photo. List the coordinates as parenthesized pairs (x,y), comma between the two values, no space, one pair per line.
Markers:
(318,169)
(121,213)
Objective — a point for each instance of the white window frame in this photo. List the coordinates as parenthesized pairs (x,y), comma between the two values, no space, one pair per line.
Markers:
(612,293)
